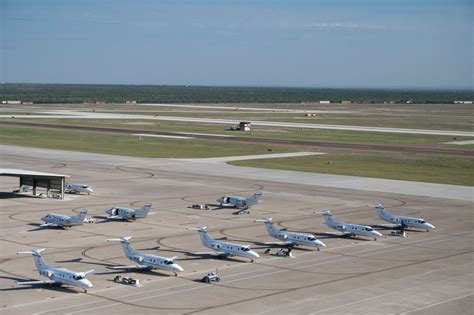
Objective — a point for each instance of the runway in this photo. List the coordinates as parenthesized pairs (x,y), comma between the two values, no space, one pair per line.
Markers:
(73,114)
(424,273)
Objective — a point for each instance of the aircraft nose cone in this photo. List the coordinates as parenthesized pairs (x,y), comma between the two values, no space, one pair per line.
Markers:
(377,233)
(431,226)
(109,211)
(254,254)
(179,268)
(321,244)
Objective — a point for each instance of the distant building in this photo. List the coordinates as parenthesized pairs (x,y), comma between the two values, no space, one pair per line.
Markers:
(324,102)
(462,102)
(131,102)
(27,102)
(14,102)
(346,102)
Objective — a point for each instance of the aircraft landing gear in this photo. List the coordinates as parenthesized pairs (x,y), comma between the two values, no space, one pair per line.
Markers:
(85,290)
(319,249)
(175,274)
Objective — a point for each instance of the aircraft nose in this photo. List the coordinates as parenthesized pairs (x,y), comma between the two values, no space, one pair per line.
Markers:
(178,268)
(430,226)
(90,190)
(254,254)
(377,233)
(108,211)
(320,243)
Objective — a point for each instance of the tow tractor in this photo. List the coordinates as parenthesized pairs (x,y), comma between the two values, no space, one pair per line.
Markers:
(127,280)
(212,276)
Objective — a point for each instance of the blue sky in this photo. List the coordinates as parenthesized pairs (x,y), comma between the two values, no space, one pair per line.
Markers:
(364,43)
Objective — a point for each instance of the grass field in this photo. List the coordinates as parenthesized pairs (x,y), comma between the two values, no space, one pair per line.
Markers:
(261,131)
(411,167)
(109,143)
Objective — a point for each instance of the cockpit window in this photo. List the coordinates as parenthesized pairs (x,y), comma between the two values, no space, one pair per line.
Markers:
(422,221)
(85,186)
(168,262)
(369,229)
(78,277)
(311,238)
(245,249)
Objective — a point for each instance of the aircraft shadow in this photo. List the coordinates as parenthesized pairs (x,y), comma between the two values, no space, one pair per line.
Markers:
(324,235)
(199,256)
(132,270)
(55,287)
(81,261)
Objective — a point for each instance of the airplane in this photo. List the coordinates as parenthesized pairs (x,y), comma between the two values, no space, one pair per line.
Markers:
(291,238)
(236,202)
(402,221)
(225,248)
(61,220)
(128,213)
(77,188)
(146,261)
(350,229)
(56,275)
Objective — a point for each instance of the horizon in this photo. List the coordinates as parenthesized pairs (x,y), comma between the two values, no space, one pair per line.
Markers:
(413,89)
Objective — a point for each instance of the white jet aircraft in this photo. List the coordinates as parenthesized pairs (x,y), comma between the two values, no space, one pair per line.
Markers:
(128,213)
(61,220)
(225,248)
(77,188)
(146,261)
(56,275)
(236,202)
(402,221)
(291,238)
(350,229)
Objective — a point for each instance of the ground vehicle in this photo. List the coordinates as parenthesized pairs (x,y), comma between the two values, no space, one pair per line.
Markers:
(126,280)
(212,276)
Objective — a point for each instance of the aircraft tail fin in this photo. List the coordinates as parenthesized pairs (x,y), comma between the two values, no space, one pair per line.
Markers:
(81,216)
(256,197)
(39,261)
(205,237)
(143,212)
(330,221)
(381,211)
(128,249)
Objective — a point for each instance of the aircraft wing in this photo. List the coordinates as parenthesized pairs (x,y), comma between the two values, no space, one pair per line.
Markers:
(130,267)
(49,224)
(36,282)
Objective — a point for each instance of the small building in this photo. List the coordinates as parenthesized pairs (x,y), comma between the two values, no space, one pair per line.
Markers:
(27,102)
(245,126)
(14,102)
(346,102)
(324,102)
(462,102)
(36,179)
(133,102)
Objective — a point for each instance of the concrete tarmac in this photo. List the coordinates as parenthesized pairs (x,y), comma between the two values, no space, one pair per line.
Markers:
(427,272)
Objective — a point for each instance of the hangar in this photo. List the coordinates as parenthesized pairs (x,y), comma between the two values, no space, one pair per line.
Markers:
(37,179)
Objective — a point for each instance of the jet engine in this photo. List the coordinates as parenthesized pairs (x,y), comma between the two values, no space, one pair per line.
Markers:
(282,236)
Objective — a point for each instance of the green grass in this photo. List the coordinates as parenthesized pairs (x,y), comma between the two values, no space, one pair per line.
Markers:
(119,144)
(262,132)
(411,167)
